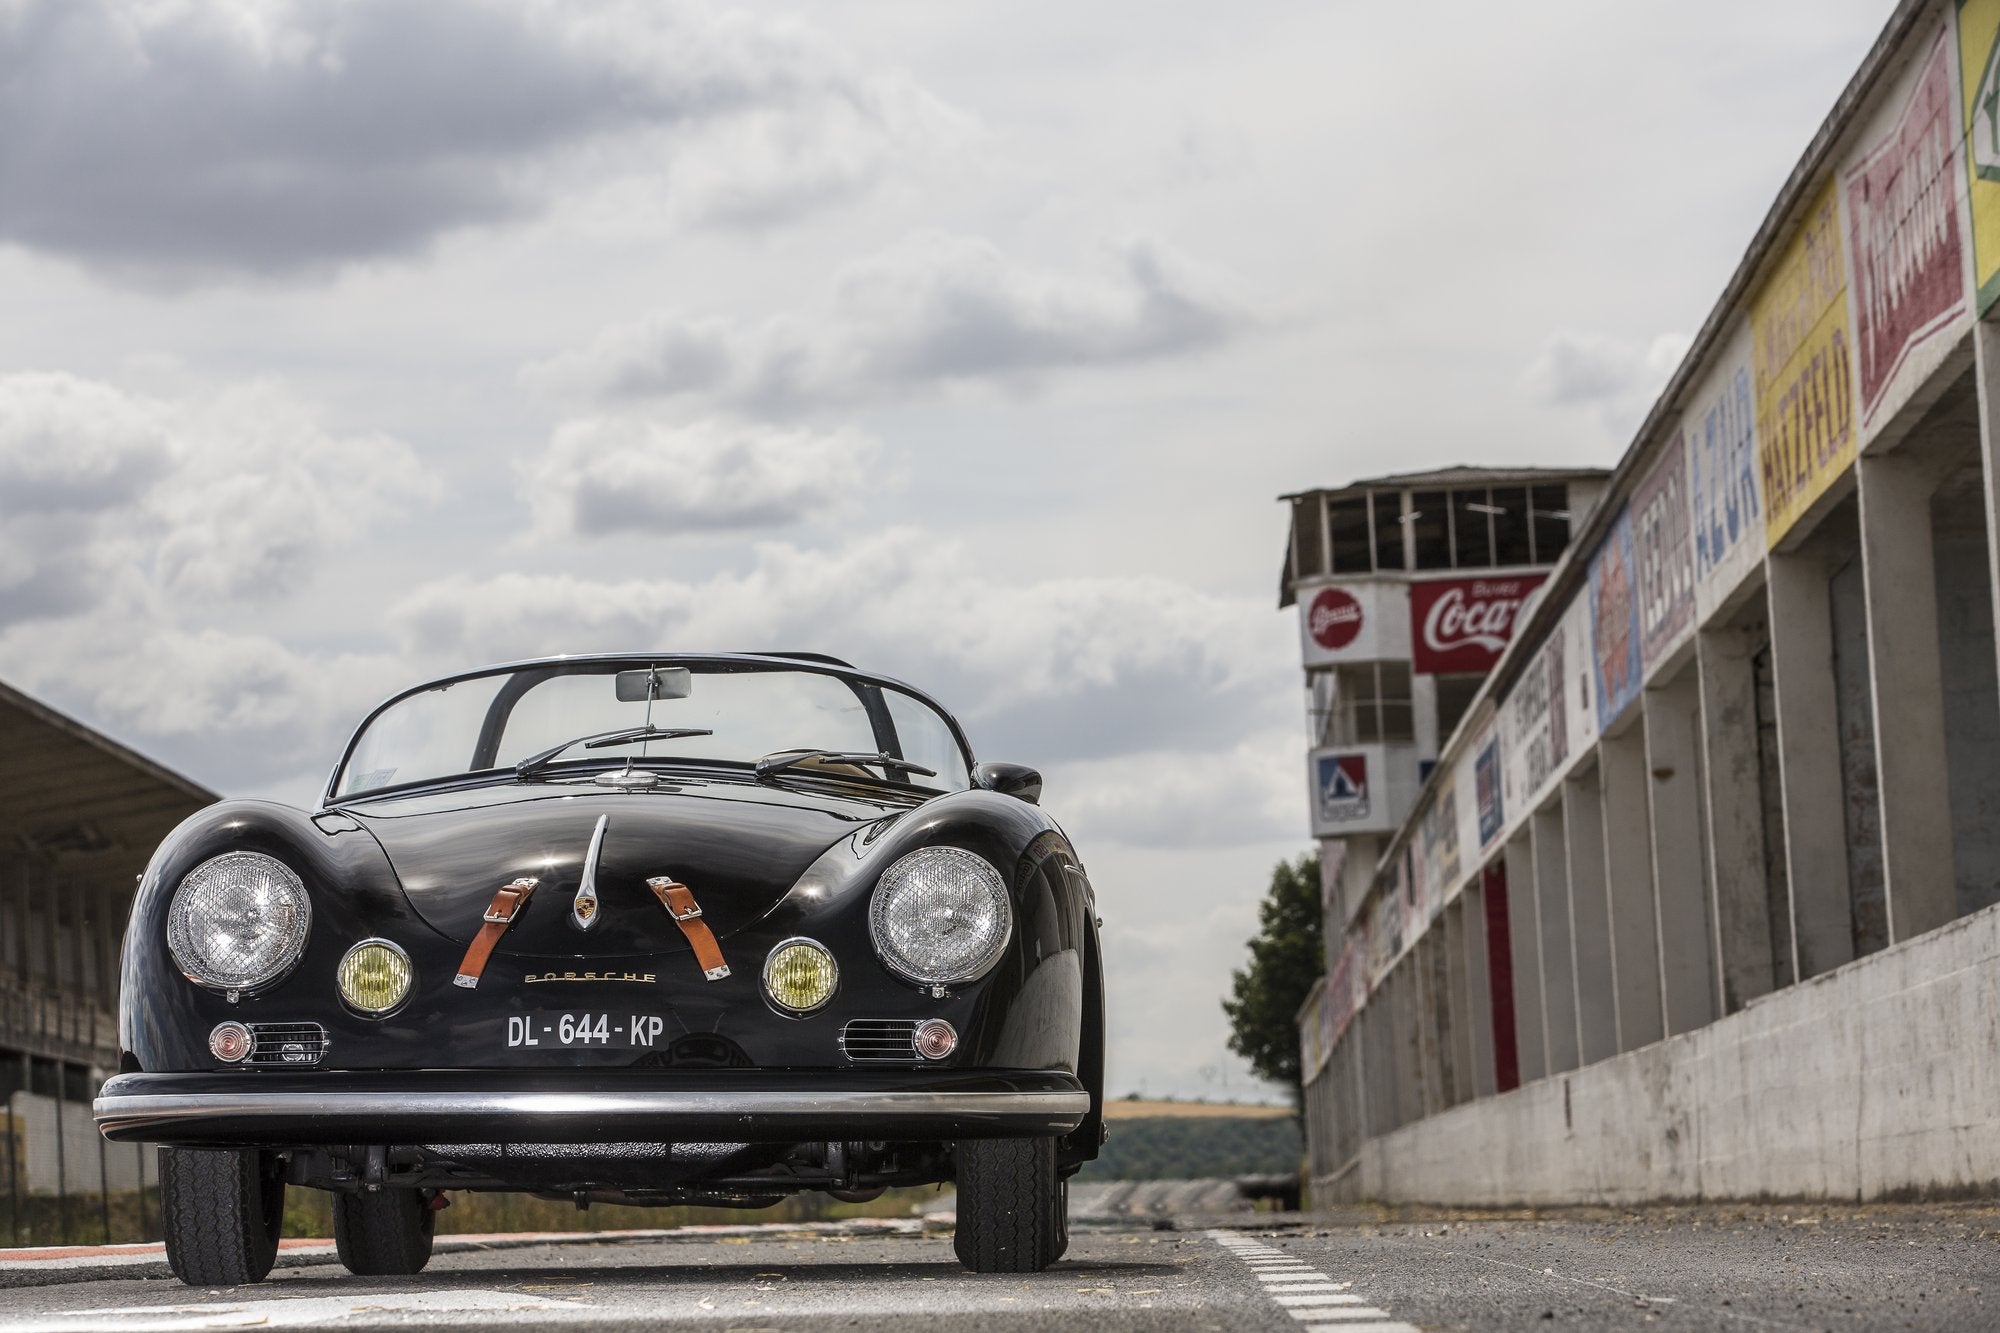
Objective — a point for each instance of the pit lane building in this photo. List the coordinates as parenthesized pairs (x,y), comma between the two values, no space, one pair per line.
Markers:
(1699,898)
(79,816)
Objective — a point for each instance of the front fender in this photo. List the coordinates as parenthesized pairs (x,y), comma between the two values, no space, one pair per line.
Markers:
(1027,1013)
(163,1018)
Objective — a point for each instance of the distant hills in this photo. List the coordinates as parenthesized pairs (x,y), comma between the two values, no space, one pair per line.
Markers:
(1196,1141)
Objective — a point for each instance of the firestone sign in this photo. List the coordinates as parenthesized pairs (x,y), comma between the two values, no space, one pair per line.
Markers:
(1465,624)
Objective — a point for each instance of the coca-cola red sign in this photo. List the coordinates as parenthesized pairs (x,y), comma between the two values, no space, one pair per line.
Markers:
(1464,624)
(1333,619)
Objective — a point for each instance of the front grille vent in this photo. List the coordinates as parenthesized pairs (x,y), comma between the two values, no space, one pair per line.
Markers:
(889,1041)
(286,1045)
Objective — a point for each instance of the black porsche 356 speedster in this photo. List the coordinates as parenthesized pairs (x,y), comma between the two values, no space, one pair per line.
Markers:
(636,929)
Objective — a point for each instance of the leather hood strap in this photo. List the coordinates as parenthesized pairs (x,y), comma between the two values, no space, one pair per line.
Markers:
(679,901)
(507,905)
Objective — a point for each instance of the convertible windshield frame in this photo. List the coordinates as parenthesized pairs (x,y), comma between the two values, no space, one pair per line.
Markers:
(867,686)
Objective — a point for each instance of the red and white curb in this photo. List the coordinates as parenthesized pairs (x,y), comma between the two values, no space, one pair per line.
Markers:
(1305,1293)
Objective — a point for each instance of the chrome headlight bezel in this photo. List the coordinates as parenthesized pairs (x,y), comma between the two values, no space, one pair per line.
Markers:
(768,975)
(409,977)
(294,935)
(897,892)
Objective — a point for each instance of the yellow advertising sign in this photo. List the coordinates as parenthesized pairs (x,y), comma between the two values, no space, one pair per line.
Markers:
(1979,84)
(1802,364)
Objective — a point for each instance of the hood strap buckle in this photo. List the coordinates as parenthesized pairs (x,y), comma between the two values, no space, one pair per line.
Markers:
(507,905)
(679,901)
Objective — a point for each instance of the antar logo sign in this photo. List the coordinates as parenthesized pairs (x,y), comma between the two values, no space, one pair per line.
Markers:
(1465,624)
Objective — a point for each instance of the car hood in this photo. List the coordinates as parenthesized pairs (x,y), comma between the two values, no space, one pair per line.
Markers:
(738,847)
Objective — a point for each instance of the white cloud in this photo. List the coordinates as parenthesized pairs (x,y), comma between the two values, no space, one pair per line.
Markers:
(1611,377)
(1041,671)
(604,475)
(112,496)
(176,142)
(933,310)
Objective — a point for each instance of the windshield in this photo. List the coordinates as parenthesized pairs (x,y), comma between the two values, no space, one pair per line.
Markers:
(497,719)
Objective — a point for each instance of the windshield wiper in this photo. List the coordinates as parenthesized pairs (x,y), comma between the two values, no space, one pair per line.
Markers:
(773,764)
(604,738)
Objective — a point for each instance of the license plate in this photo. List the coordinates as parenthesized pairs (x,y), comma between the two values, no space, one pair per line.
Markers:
(611,1031)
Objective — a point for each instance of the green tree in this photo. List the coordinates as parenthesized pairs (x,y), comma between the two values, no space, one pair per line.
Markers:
(1286,958)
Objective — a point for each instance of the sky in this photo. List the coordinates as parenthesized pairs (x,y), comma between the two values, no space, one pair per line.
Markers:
(346,344)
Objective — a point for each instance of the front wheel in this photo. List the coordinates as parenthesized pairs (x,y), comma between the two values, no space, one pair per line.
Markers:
(1011,1213)
(222,1210)
(384,1233)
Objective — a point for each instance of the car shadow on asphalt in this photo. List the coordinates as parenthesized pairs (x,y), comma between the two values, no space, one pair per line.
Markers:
(553,1281)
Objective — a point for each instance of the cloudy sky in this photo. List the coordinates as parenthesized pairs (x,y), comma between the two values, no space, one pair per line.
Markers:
(345,344)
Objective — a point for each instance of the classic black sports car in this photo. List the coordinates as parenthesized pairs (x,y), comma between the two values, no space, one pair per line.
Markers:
(636,929)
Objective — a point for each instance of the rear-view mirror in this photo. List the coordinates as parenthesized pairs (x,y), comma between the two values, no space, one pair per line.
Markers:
(635,687)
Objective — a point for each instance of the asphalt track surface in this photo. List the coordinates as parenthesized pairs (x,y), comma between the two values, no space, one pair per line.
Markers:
(1770,1268)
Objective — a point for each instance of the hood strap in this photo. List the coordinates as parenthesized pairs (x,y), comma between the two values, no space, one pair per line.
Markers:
(507,905)
(679,901)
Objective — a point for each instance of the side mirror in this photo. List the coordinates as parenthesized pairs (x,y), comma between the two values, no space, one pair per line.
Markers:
(1016,780)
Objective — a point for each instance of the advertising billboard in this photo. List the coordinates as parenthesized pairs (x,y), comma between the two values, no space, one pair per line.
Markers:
(1901,199)
(1464,624)
(1802,368)
(1979,94)
(1616,666)
(1661,537)
(1352,622)
(1726,509)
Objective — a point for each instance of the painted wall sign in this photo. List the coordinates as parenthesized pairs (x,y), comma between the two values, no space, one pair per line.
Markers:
(1802,368)
(1352,622)
(1617,669)
(1726,509)
(1438,836)
(1486,782)
(1465,624)
(1341,782)
(1661,537)
(1979,84)
(1537,724)
(1346,989)
(1902,230)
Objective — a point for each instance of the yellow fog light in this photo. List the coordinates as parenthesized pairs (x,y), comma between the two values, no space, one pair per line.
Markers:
(800,976)
(375,976)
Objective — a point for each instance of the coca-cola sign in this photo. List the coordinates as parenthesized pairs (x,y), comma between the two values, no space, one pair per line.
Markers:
(1334,619)
(1465,624)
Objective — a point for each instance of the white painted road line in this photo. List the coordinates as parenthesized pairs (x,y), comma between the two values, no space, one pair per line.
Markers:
(1306,1294)
(463,1308)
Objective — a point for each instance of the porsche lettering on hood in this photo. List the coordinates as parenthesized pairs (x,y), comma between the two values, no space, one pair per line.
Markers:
(740,856)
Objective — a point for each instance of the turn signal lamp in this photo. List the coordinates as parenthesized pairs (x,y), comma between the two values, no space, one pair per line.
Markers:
(375,976)
(934,1039)
(230,1042)
(800,976)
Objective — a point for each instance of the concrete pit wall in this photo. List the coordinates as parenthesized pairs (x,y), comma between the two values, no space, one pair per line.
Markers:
(1880,1079)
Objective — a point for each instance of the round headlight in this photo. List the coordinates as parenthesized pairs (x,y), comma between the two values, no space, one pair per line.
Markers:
(940,915)
(375,976)
(800,975)
(238,921)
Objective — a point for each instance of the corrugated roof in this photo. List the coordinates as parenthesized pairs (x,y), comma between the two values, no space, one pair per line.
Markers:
(1460,474)
(68,789)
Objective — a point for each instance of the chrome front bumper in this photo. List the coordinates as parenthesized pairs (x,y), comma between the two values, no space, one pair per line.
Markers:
(249,1108)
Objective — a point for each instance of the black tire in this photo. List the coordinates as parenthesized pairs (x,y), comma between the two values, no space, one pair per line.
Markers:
(222,1210)
(1008,1206)
(386,1233)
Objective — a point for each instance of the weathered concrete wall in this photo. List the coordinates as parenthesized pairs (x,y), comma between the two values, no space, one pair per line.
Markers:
(1879,1078)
